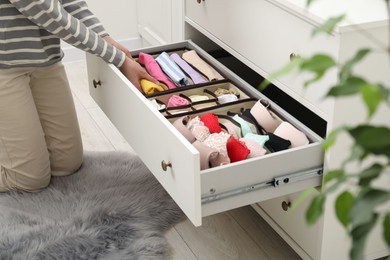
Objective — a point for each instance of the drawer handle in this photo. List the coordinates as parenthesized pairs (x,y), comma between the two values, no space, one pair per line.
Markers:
(199,1)
(96,83)
(293,56)
(165,165)
(286,205)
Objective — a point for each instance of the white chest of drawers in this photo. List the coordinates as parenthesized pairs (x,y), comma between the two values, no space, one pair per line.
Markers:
(201,192)
(262,34)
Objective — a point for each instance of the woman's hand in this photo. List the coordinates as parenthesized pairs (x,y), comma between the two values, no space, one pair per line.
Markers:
(130,68)
(117,45)
(135,72)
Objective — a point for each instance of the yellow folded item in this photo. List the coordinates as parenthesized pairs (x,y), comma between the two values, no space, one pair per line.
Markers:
(149,87)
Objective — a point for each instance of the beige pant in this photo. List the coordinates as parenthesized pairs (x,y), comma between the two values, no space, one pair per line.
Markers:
(39,131)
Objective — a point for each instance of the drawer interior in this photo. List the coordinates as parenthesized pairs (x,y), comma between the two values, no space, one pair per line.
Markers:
(176,162)
(232,105)
(311,119)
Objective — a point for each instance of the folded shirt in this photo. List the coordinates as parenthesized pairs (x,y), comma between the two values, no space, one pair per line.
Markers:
(196,77)
(172,69)
(193,58)
(149,87)
(154,69)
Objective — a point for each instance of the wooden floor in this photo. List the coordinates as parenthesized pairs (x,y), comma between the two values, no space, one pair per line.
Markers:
(236,234)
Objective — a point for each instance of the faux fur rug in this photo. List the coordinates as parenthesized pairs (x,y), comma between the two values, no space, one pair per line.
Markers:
(112,208)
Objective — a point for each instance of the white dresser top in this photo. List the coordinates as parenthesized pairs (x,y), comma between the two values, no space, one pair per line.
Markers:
(366,14)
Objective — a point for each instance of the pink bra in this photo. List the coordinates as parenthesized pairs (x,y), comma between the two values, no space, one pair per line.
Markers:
(218,141)
(198,129)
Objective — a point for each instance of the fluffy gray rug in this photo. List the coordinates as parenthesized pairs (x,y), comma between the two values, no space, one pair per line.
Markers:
(112,208)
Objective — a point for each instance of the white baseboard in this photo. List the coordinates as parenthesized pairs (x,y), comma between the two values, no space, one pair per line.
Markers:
(73,54)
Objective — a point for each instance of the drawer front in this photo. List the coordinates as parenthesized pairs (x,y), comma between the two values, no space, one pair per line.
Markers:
(292,220)
(152,137)
(202,192)
(264,36)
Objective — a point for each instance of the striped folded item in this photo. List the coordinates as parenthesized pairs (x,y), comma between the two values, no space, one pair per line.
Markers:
(172,70)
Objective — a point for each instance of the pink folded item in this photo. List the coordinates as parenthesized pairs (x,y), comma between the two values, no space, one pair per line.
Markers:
(181,125)
(263,117)
(198,129)
(289,132)
(206,154)
(254,147)
(154,69)
(177,101)
(218,141)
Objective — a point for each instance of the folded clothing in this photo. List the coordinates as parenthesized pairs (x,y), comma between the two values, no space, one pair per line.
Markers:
(171,69)
(149,87)
(177,101)
(196,77)
(154,69)
(193,58)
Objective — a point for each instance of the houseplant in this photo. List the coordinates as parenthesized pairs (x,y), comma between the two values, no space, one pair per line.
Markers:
(359,204)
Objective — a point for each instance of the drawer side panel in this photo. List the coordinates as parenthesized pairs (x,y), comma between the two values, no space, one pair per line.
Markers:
(262,170)
(152,137)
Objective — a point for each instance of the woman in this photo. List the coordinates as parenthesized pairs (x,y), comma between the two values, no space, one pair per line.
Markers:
(39,131)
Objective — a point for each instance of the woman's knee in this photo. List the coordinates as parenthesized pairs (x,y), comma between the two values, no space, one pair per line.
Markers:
(68,163)
(31,181)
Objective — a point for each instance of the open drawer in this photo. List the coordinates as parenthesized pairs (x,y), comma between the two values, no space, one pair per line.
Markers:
(175,162)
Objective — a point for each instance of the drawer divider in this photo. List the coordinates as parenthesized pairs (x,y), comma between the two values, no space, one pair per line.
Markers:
(275,182)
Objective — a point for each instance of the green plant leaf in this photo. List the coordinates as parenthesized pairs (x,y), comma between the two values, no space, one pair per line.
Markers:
(308,3)
(343,207)
(303,196)
(372,96)
(286,69)
(334,186)
(315,209)
(349,87)
(386,229)
(357,153)
(346,70)
(369,174)
(362,211)
(329,25)
(331,138)
(385,92)
(338,174)
(317,64)
(359,236)
(373,139)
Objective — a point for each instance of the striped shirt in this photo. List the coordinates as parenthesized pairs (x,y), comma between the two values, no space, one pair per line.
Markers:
(30,32)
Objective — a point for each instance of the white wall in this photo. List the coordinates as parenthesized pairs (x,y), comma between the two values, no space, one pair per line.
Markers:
(119,17)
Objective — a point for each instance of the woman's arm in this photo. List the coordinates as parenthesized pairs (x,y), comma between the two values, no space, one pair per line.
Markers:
(52,16)
(75,24)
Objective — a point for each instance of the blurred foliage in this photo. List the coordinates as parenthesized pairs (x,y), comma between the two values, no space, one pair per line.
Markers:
(357,202)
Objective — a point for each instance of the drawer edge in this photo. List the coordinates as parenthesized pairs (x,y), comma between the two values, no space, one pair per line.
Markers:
(115,95)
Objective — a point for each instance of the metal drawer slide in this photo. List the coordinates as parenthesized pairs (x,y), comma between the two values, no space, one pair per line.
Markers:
(275,182)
